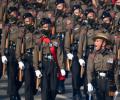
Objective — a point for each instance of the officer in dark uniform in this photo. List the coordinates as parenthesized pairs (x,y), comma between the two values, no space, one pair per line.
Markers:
(25,59)
(11,33)
(48,48)
(102,68)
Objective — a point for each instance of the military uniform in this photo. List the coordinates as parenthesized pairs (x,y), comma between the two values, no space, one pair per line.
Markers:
(102,69)
(26,57)
(2,21)
(49,54)
(60,34)
(11,33)
(74,29)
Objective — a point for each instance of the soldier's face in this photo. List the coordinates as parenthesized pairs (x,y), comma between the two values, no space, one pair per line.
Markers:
(91,15)
(60,6)
(28,21)
(45,27)
(14,14)
(98,43)
(106,20)
(77,12)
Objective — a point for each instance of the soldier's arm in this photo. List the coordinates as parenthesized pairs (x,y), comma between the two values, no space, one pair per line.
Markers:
(37,53)
(68,37)
(3,41)
(90,68)
(82,43)
(116,74)
(20,42)
(36,57)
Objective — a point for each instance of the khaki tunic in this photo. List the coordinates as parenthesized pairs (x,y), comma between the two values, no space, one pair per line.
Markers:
(98,62)
(12,33)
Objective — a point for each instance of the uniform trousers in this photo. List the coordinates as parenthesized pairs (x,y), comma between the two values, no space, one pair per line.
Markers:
(49,80)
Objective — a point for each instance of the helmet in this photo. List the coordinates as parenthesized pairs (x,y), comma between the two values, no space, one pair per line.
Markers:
(12,9)
(104,36)
(45,21)
(59,1)
(27,15)
(106,14)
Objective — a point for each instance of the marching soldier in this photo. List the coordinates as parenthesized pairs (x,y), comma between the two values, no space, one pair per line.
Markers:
(107,26)
(3,5)
(60,15)
(102,68)
(116,40)
(73,50)
(49,54)
(9,40)
(25,55)
(86,43)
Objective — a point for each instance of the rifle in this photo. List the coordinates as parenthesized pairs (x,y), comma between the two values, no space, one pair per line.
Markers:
(68,64)
(81,71)
(20,70)
(38,80)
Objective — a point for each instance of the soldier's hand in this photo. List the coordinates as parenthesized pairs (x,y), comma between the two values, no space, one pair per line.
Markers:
(38,73)
(4,60)
(21,65)
(62,71)
(70,56)
(55,44)
(90,87)
(82,62)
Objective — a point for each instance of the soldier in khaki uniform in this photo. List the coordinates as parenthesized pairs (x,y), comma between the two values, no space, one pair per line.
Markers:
(11,33)
(25,55)
(60,15)
(2,22)
(86,43)
(102,68)
(49,54)
(116,40)
(73,50)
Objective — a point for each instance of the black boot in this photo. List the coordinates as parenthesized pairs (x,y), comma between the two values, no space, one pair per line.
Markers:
(61,87)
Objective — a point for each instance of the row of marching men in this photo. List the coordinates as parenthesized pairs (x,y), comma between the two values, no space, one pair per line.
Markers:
(74,40)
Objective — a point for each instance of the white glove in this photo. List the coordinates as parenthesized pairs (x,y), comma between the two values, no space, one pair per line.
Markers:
(63,73)
(82,62)
(4,59)
(90,87)
(70,56)
(21,65)
(38,74)
(116,93)
(55,44)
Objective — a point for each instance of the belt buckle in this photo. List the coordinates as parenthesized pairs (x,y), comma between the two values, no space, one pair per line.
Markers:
(102,74)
